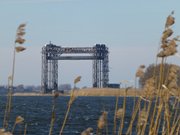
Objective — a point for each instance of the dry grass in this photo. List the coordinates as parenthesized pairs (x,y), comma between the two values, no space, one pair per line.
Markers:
(107,92)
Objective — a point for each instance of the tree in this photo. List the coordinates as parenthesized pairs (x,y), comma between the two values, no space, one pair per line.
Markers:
(153,70)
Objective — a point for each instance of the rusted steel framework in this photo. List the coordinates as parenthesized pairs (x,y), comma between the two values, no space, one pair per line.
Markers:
(52,53)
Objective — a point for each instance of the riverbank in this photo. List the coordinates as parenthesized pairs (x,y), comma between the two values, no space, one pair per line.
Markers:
(92,92)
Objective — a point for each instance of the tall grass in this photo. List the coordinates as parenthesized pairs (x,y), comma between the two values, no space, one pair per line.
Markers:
(19,40)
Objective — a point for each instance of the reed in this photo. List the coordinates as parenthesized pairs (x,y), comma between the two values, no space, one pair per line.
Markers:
(168,48)
(53,115)
(115,115)
(18,120)
(88,131)
(129,130)
(72,98)
(102,122)
(18,40)
(3,132)
(121,113)
(25,129)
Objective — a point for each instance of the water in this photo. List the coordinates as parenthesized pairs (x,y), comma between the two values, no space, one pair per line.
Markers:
(84,113)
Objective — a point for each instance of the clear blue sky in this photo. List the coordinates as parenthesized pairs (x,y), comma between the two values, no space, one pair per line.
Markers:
(130,28)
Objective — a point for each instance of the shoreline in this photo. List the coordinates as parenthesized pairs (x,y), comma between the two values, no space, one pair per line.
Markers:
(91,92)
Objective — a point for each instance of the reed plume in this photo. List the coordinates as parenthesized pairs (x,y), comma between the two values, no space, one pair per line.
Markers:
(102,122)
(168,45)
(149,88)
(3,132)
(140,71)
(170,20)
(18,40)
(119,113)
(18,120)
(88,131)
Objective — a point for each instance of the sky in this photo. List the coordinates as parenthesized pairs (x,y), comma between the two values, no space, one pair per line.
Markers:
(131,29)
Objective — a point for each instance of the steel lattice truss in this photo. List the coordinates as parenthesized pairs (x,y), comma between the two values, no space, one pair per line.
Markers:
(52,53)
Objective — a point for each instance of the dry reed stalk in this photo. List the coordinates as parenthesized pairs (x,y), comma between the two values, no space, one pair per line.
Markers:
(167,116)
(123,114)
(175,126)
(106,125)
(177,131)
(176,120)
(25,129)
(134,102)
(133,116)
(141,120)
(163,126)
(171,85)
(166,112)
(7,105)
(72,98)
(67,112)
(176,113)
(158,125)
(154,128)
(53,112)
(145,123)
(115,112)
(157,97)
(149,89)
(161,75)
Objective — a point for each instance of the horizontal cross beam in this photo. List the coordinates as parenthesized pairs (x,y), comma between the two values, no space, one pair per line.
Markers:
(74,58)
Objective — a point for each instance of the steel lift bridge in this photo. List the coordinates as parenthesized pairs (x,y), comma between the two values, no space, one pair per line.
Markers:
(52,53)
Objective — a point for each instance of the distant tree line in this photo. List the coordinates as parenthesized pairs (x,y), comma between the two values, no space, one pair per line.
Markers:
(155,69)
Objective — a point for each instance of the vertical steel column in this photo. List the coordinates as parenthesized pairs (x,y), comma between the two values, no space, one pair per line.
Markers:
(44,71)
(98,74)
(55,75)
(105,67)
(95,66)
(50,74)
